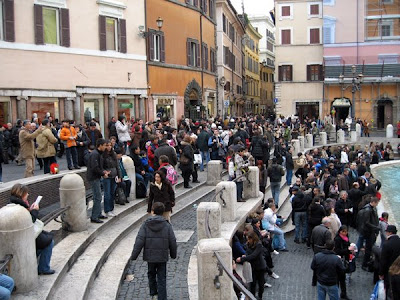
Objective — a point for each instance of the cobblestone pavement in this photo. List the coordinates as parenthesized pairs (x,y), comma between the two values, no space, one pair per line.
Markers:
(295,273)
(177,286)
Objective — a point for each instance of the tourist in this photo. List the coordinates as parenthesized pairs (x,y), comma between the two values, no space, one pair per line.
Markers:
(27,146)
(122,129)
(394,272)
(44,241)
(300,203)
(383,224)
(202,144)
(165,149)
(112,130)
(6,287)
(216,146)
(161,191)
(157,238)
(275,173)
(82,144)
(187,161)
(96,171)
(316,213)
(269,223)
(344,208)
(45,149)
(151,149)
(327,267)
(68,135)
(240,167)
(93,133)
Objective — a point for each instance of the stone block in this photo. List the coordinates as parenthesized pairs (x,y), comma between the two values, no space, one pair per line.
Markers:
(358,129)
(389,131)
(296,147)
(353,136)
(340,136)
(214,170)
(227,199)
(251,186)
(324,138)
(308,142)
(301,140)
(214,220)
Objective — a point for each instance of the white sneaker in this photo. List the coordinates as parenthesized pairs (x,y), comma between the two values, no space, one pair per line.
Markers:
(267,285)
(110,214)
(275,252)
(155,297)
(273,275)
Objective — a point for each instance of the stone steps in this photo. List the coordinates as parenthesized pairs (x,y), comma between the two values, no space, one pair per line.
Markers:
(104,288)
(89,249)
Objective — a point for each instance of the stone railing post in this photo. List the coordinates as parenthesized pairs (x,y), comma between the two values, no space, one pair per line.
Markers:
(229,195)
(301,140)
(340,136)
(296,147)
(309,141)
(208,271)
(251,187)
(324,138)
(358,129)
(214,170)
(18,238)
(353,136)
(72,194)
(130,171)
(389,131)
(214,220)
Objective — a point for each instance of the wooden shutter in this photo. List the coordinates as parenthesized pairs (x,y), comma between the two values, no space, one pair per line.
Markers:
(290,73)
(196,3)
(226,56)
(285,35)
(308,73)
(321,73)
(205,6)
(189,54)
(162,48)
(102,33)
(224,23)
(198,55)
(38,16)
(314,9)
(285,11)
(206,58)
(280,74)
(9,31)
(122,35)
(65,31)
(314,36)
(150,45)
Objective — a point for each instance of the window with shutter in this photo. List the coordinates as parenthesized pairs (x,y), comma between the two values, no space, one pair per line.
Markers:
(285,73)
(65,31)
(111,34)
(285,36)
(314,9)
(198,62)
(193,53)
(102,33)
(285,11)
(122,35)
(51,25)
(189,52)
(38,17)
(224,23)
(314,72)
(162,48)
(314,36)
(157,47)
(7,19)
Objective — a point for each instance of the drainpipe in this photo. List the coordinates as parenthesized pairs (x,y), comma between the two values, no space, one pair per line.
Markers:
(147,62)
(201,57)
(357,30)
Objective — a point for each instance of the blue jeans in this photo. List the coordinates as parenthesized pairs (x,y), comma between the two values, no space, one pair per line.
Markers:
(71,152)
(239,190)
(289,175)
(205,155)
(109,194)
(6,287)
(331,290)
(300,221)
(157,274)
(144,178)
(275,190)
(96,189)
(280,235)
(45,257)
(360,243)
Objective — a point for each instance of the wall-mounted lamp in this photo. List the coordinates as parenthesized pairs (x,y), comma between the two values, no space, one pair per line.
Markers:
(142,33)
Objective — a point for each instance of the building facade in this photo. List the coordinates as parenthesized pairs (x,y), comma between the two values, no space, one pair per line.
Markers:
(252,70)
(72,59)
(266,27)
(299,58)
(182,64)
(230,32)
(364,34)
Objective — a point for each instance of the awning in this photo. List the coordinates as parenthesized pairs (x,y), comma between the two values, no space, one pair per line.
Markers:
(341,102)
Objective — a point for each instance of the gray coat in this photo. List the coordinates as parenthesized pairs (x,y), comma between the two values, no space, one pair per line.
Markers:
(319,236)
(158,240)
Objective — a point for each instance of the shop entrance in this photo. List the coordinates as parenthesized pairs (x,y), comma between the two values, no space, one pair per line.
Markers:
(94,108)
(165,109)
(384,113)
(41,107)
(5,112)
(307,109)
(126,108)
(340,109)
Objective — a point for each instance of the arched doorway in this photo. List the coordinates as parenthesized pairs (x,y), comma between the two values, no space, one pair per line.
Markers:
(384,112)
(193,101)
(340,109)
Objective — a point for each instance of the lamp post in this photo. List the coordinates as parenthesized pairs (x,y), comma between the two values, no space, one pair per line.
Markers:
(356,81)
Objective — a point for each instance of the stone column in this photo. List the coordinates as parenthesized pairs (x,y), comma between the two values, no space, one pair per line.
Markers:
(252,186)
(301,140)
(340,136)
(106,114)
(130,170)
(308,141)
(358,129)
(142,110)
(72,194)
(214,169)
(296,146)
(389,131)
(78,112)
(61,105)
(353,136)
(324,138)
(69,108)
(207,269)
(21,107)
(111,110)
(214,220)
(18,238)
(228,195)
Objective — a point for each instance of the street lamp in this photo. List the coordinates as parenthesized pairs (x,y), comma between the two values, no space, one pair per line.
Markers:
(356,81)
(143,33)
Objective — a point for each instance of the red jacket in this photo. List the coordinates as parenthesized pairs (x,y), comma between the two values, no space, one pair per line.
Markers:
(150,154)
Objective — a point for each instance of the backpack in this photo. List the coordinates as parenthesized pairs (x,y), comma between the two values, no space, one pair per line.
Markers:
(172,175)
(141,190)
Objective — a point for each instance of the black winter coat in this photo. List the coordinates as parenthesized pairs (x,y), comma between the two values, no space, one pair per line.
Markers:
(165,195)
(390,252)
(202,141)
(327,266)
(110,163)
(342,247)
(95,165)
(158,240)
(258,143)
(289,161)
(255,256)
(139,167)
(300,202)
(187,151)
(315,214)
(340,206)
(165,149)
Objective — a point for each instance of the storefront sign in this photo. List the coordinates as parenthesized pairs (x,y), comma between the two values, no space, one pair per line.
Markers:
(126,105)
(341,102)
(165,101)
(306,103)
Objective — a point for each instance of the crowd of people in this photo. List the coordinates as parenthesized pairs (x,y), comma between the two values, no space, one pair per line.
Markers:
(333,188)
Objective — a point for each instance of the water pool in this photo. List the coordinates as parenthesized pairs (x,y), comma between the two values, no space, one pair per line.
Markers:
(390,178)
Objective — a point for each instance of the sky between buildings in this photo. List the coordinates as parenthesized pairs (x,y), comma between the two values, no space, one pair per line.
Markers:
(253,7)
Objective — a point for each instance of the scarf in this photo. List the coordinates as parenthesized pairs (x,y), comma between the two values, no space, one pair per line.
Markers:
(158,185)
(344,237)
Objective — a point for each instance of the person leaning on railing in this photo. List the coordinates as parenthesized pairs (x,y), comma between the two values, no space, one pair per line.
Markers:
(44,241)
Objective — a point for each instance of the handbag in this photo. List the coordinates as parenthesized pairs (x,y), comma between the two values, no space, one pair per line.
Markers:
(184,160)
(44,239)
(120,197)
(197,159)
(221,152)
(38,227)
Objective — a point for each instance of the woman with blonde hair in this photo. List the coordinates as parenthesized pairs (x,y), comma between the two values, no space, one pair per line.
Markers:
(44,241)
